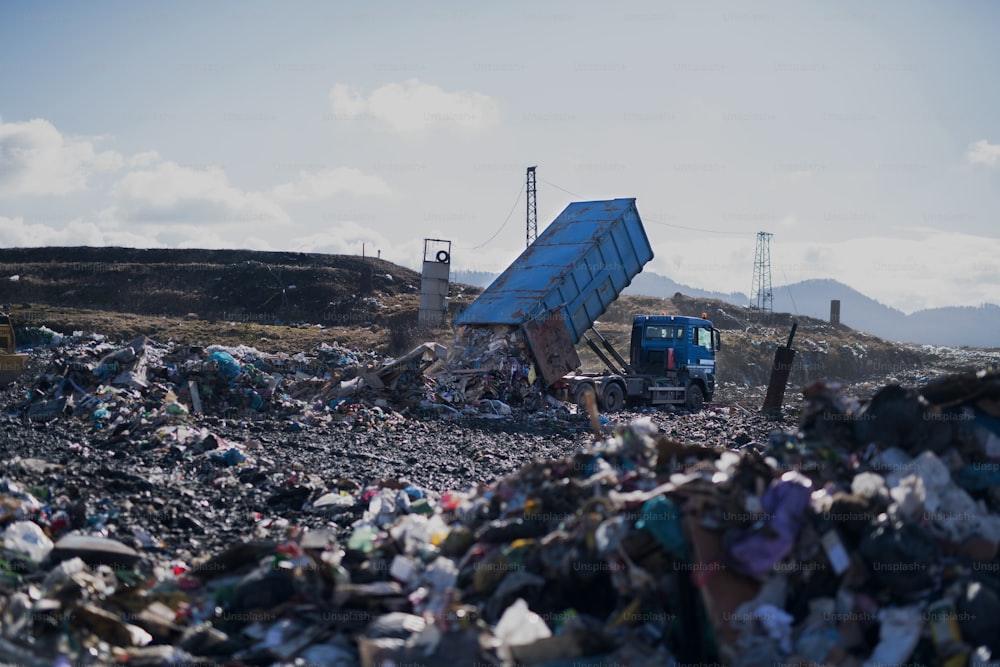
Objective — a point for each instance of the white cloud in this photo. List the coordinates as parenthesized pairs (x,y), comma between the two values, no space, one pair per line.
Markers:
(326,183)
(16,233)
(144,159)
(108,161)
(37,159)
(348,102)
(196,236)
(346,238)
(983,153)
(169,192)
(414,106)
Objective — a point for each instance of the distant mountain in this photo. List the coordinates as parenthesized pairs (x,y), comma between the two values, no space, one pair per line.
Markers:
(646,284)
(653,284)
(953,326)
(474,278)
(812,298)
(975,327)
(956,326)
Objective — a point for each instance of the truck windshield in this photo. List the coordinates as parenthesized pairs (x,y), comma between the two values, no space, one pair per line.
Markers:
(703,337)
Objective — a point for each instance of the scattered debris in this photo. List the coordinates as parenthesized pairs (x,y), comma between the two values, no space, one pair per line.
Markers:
(867,534)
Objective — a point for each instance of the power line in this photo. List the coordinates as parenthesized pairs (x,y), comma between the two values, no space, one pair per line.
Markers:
(695,229)
(497,233)
(561,188)
(789,288)
(655,222)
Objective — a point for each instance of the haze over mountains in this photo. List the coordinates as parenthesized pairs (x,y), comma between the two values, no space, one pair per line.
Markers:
(954,326)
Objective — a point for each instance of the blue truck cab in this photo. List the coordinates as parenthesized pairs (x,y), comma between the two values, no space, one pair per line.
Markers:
(672,351)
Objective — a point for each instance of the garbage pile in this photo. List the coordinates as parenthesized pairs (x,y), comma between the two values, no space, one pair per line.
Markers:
(135,388)
(867,536)
(488,363)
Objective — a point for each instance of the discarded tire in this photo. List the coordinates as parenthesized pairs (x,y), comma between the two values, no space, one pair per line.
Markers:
(443,256)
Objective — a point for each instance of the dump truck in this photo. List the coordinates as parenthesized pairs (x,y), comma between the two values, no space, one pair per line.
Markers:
(671,362)
(11,361)
(563,282)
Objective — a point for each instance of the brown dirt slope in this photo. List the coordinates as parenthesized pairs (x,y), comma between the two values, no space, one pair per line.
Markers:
(234,285)
(217,296)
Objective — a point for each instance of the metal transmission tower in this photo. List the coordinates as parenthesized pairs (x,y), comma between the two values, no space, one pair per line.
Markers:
(532,233)
(761,297)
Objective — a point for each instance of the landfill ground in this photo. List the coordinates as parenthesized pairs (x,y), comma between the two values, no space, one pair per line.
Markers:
(193,505)
(322,521)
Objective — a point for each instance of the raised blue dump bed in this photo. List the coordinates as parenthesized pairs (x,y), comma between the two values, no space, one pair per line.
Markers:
(578,265)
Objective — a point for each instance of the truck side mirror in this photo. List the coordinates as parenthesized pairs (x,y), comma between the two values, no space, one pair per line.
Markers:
(718,339)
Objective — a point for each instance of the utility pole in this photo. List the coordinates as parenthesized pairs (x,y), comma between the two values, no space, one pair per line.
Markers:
(532,188)
(761,296)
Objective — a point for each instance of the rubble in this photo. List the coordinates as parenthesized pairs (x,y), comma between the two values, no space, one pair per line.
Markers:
(144,389)
(867,534)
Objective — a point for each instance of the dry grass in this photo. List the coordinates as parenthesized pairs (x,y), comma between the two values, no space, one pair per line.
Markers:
(265,337)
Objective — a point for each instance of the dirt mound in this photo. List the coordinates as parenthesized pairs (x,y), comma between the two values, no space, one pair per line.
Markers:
(232,285)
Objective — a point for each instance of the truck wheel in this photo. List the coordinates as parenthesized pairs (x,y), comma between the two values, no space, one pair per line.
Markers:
(580,396)
(694,400)
(614,397)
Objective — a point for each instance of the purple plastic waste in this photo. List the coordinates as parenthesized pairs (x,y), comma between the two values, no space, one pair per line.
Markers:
(755,550)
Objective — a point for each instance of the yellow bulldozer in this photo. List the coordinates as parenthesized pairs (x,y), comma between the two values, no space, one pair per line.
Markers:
(11,362)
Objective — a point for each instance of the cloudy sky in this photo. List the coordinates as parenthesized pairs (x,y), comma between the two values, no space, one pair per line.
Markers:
(864,136)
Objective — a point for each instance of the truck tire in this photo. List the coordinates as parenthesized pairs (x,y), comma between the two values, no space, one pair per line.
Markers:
(614,398)
(694,400)
(580,395)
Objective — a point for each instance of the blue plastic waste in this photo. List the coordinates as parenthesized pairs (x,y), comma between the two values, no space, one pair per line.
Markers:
(228,367)
(230,457)
(256,400)
(661,518)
